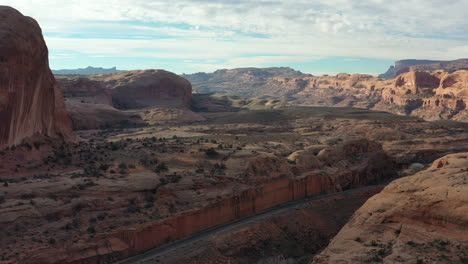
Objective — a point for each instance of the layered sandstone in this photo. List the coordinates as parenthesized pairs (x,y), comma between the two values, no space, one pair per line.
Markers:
(431,95)
(30,101)
(421,218)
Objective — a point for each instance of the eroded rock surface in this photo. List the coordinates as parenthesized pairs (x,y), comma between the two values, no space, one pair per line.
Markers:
(422,218)
(30,101)
(431,95)
(127,99)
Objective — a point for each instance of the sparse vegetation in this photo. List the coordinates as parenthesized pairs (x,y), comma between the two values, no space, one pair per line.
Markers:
(211,153)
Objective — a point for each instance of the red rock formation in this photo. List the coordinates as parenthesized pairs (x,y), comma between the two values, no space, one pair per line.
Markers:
(421,217)
(358,163)
(131,89)
(427,94)
(30,101)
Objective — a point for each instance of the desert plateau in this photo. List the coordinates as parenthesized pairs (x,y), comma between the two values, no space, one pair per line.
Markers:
(269,154)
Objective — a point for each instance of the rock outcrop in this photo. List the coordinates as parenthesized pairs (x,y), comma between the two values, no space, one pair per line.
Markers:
(30,101)
(132,89)
(431,95)
(127,99)
(421,218)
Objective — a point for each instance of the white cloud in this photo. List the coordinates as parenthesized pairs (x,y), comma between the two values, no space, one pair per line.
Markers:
(225,30)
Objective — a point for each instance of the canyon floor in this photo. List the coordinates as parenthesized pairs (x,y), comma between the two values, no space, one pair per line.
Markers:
(59,201)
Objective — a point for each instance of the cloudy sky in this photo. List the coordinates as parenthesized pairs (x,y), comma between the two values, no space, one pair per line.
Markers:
(185,36)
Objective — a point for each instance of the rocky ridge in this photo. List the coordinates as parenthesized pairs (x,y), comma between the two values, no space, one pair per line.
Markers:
(428,94)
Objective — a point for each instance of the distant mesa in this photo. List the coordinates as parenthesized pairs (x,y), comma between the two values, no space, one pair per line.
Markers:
(249,82)
(403,66)
(86,71)
(30,101)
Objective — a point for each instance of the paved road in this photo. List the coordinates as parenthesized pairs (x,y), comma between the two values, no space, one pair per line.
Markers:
(153,253)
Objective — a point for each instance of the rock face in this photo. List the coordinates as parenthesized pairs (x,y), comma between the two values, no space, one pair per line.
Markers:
(421,217)
(430,95)
(30,101)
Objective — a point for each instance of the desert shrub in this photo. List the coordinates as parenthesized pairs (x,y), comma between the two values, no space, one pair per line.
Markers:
(161,168)
(104,167)
(91,230)
(52,241)
(211,153)
(163,181)
(37,144)
(27,196)
(92,171)
(220,166)
(77,207)
(102,216)
(132,208)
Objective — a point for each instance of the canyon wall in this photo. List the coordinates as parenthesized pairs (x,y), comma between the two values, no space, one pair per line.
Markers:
(30,101)
(130,242)
(294,233)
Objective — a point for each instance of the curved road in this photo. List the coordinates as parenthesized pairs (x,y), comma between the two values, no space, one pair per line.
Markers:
(153,253)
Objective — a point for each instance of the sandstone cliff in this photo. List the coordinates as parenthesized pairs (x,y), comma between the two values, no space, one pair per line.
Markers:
(421,218)
(428,94)
(30,101)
